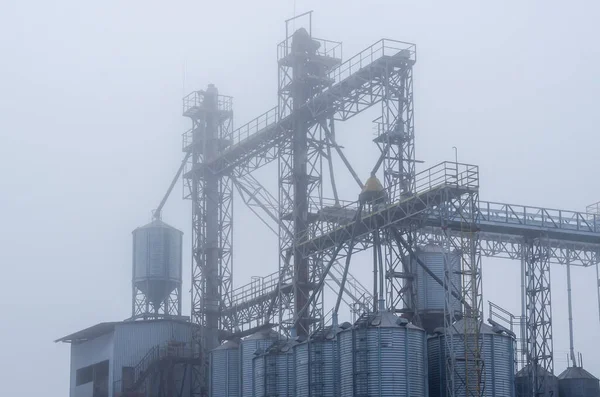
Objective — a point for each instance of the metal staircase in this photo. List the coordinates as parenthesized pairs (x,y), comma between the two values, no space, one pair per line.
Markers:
(155,369)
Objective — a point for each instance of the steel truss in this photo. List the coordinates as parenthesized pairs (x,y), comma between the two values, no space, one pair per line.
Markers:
(212,210)
(142,308)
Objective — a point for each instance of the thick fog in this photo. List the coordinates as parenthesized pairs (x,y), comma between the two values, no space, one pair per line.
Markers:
(90,137)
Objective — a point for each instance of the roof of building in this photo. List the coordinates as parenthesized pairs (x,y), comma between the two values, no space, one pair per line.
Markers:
(526,370)
(158,223)
(105,328)
(576,373)
(385,319)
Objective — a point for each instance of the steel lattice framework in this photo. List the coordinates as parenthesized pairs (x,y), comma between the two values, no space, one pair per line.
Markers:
(441,204)
(142,308)
(212,210)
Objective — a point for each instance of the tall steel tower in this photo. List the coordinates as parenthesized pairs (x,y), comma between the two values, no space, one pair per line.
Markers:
(211,195)
(304,64)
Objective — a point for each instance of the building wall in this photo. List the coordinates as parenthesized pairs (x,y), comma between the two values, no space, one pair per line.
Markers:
(133,340)
(88,353)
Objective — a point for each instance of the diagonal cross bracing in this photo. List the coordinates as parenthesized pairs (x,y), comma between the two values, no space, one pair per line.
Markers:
(357,85)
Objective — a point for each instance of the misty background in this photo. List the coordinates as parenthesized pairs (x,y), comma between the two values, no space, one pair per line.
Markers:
(90,137)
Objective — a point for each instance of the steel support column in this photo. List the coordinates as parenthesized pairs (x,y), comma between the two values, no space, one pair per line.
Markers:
(538,315)
(395,139)
(465,364)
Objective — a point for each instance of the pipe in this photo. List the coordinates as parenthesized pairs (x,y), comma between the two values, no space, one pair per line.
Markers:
(332,175)
(384,153)
(571,343)
(350,247)
(380,257)
(598,287)
(158,209)
(523,322)
(331,139)
(375,278)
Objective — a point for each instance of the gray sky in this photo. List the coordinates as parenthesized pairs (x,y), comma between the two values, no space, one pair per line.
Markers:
(90,136)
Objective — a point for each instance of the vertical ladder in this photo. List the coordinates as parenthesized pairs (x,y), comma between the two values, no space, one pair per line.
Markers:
(316,362)
(361,358)
(271,375)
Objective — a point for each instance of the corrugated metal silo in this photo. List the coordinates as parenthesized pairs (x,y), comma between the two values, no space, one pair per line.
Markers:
(274,370)
(431,296)
(382,355)
(225,370)
(317,364)
(497,350)
(157,260)
(258,342)
(577,382)
(523,385)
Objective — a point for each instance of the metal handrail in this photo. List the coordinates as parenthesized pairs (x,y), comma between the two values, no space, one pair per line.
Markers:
(246,131)
(327,48)
(156,353)
(539,217)
(376,51)
(371,54)
(444,174)
(195,99)
(257,288)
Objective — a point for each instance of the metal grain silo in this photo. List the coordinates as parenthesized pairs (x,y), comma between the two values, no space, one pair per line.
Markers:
(497,351)
(274,370)
(523,386)
(317,364)
(431,296)
(249,347)
(577,382)
(225,370)
(157,261)
(383,355)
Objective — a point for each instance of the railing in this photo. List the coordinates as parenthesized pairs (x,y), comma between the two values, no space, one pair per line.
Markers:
(195,99)
(156,353)
(593,209)
(373,53)
(538,217)
(258,287)
(267,119)
(445,174)
(442,175)
(327,48)
(514,324)
(188,138)
(383,47)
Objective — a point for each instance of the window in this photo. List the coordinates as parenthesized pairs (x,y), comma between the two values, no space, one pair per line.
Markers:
(96,373)
(84,375)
